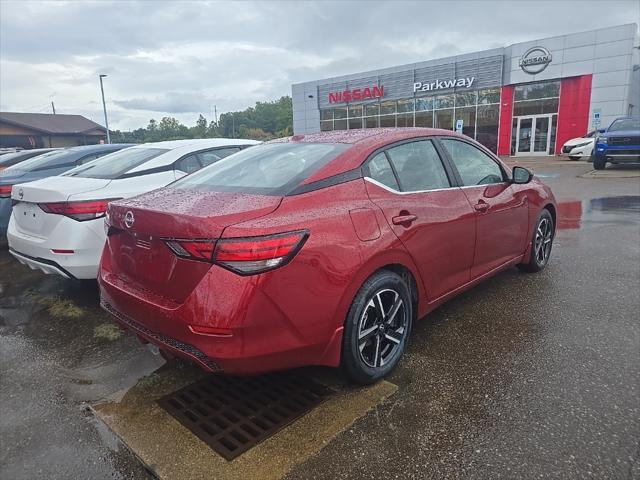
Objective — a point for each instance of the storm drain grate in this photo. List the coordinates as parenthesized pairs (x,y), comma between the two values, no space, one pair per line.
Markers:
(233,414)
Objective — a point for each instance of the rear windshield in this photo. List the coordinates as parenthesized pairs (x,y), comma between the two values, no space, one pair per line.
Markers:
(57,158)
(625,124)
(269,169)
(12,158)
(116,164)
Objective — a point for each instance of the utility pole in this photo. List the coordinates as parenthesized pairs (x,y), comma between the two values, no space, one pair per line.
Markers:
(215,113)
(53,107)
(104,107)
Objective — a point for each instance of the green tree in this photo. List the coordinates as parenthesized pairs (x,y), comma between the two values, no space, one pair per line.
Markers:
(263,121)
(201,129)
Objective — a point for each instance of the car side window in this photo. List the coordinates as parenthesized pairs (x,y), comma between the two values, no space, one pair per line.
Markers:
(474,166)
(212,156)
(418,166)
(380,170)
(188,164)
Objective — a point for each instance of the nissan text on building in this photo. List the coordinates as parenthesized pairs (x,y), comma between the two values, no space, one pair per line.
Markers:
(525,99)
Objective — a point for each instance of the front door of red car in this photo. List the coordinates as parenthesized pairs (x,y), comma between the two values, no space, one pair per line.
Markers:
(432,218)
(501,208)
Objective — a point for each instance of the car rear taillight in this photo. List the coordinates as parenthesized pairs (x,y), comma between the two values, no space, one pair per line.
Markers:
(5,191)
(244,256)
(80,211)
(193,249)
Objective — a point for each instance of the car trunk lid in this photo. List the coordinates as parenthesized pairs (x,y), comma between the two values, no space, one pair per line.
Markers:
(140,228)
(34,221)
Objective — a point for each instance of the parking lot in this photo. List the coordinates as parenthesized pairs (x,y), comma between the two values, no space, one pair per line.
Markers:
(524,376)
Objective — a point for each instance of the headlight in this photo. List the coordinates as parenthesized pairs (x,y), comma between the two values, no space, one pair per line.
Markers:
(584,144)
(601,140)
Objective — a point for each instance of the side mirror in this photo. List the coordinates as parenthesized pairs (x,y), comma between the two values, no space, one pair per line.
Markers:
(602,130)
(521,175)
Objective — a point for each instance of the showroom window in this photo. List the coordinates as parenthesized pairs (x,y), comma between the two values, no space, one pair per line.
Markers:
(536,98)
(479,111)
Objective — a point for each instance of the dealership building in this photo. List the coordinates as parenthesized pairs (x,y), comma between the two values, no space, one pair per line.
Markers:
(524,99)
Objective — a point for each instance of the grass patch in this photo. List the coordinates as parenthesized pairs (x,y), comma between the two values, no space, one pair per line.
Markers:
(60,307)
(108,331)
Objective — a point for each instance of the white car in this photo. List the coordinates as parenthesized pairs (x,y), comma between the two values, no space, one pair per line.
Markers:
(576,148)
(57,223)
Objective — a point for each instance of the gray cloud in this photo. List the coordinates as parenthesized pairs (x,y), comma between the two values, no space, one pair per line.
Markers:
(172,102)
(182,58)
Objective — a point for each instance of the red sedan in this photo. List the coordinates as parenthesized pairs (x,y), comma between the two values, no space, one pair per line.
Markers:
(319,249)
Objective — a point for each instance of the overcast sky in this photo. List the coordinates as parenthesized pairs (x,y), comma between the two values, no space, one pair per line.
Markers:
(180,59)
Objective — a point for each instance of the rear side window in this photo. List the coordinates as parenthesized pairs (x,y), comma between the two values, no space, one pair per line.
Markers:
(380,170)
(45,161)
(268,169)
(418,166)
(212,156)
(116,164)
(188,164)
(474,166)
(9,159)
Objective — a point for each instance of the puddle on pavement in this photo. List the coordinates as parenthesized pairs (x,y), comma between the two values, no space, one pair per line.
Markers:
(617,209)
(170,450)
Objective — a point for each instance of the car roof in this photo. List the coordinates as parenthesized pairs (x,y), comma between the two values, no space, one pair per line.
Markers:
(98,147)
(382,136)
(198,142)
(178,148)
(363,142)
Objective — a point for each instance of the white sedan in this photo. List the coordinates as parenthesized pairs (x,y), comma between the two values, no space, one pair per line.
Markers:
(576,148)
(57,225)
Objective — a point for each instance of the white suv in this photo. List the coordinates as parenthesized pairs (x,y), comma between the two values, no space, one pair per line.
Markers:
(57,225)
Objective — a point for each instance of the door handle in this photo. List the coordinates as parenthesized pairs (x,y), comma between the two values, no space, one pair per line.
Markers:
(405,220)
(481,206)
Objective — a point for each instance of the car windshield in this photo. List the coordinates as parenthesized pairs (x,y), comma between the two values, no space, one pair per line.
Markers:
(116,164)
(46,160)
(269,169)
(625,124)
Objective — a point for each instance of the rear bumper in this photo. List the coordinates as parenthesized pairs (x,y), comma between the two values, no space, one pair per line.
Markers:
(86,239)
(46,266)
(261,338)
(174,346)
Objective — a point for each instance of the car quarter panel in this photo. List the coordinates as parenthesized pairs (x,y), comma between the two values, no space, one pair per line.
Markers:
(334,262)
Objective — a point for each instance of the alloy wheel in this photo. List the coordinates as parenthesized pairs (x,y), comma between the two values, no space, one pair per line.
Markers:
(382,328)
(542,243)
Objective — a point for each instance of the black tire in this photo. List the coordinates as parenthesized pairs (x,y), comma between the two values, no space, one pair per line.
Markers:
(599,163)
(574,157)
(544,233)
(384,336)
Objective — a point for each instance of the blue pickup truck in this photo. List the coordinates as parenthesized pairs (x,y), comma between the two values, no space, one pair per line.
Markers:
(617,144)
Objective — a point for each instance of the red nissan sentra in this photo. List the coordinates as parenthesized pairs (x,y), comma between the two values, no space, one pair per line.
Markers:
(319,249)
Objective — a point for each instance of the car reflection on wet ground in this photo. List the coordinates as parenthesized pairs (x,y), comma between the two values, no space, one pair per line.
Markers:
(523,376)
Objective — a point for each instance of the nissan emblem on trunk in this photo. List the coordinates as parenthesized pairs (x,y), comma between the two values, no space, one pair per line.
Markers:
(128,219)
(535,60)
(20,194)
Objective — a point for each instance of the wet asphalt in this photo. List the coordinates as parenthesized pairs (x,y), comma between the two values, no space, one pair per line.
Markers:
(524,376)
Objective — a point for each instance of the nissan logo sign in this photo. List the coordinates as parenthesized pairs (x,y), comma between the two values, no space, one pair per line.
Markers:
(20,194)
(535,60)
(128,219)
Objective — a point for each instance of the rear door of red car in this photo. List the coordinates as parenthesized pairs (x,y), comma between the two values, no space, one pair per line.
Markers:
(432,217)
(501,208)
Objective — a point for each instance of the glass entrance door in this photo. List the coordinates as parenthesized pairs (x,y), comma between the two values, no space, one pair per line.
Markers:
(533,135)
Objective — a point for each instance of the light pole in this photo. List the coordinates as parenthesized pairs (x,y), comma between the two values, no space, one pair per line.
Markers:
(104,107)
